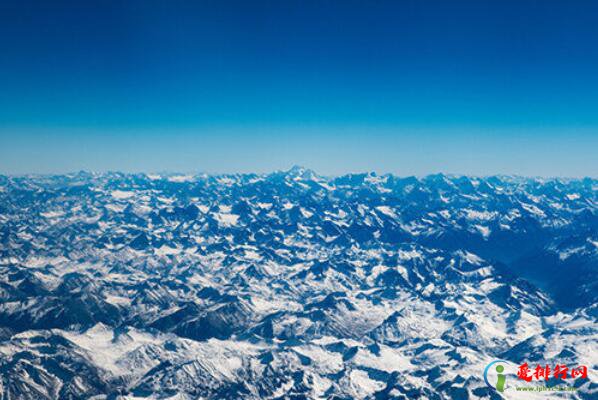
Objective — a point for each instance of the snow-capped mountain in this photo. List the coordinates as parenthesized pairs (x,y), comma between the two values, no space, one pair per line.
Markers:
(291,285)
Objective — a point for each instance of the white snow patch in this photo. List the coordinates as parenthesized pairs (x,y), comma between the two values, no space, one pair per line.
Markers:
(472,258)
(118,300)
(387,211)
(118,208)
(122,194)
(363,385)
(181,178)
(104,350)
(305,213)
(479,215)
(264,206)
(226,220)
(252,255)
(408,255)
(225,209)
(484,230)
(445,213)
(533,209)
(166,251)
(388,360)
(52,214)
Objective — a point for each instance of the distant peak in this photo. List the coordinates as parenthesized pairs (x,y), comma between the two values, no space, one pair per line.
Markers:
(297,171)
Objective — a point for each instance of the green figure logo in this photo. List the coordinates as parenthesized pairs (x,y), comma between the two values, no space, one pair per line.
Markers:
(501,378)
(500,383)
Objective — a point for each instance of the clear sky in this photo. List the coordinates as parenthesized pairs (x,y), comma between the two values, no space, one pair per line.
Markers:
(408,87)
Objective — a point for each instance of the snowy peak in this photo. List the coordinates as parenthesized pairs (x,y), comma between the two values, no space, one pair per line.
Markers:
(290,284)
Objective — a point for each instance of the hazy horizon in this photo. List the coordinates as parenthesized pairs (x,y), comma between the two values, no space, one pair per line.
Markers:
(413,152)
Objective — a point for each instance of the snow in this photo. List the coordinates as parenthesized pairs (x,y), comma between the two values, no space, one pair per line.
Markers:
(428,290)
(118,300)
(479,215)
(306,213)
(165,250)
(389,360)
(533,210)
(181,178)
(484,230)
(166,200)
(122,194)
(563,255)
(445,214)
(363,385)
(403,271)
(226,220)
(264,206)
(142,209)
(386,211)
(283,389)
(103,348)
(320,386)
(394,327)
(52,214)
(409,255)
(323,361)
(472,258)
(118,208)
(226,181)
(252,255)
(226,209)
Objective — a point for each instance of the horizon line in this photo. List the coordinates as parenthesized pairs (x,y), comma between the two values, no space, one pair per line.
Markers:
(162,174)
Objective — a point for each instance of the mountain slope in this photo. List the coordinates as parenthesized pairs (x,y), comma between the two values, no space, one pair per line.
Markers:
(290,284)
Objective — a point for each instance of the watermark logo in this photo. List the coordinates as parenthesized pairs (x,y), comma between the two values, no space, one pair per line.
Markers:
(558,371)
(501,378)
(495,376)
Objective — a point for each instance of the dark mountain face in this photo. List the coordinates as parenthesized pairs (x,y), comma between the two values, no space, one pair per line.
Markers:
(290,284)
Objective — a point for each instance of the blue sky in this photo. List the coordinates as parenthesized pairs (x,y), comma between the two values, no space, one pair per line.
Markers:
(410,87)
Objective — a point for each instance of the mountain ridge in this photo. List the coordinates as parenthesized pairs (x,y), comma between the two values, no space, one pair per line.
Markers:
(290,284)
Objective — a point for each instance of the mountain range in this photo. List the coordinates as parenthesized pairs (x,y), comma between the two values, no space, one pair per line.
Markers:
(292,285)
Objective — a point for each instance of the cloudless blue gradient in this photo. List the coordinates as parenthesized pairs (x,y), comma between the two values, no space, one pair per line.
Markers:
(410,87)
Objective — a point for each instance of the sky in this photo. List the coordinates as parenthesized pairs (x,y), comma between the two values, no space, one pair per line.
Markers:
(406,87)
